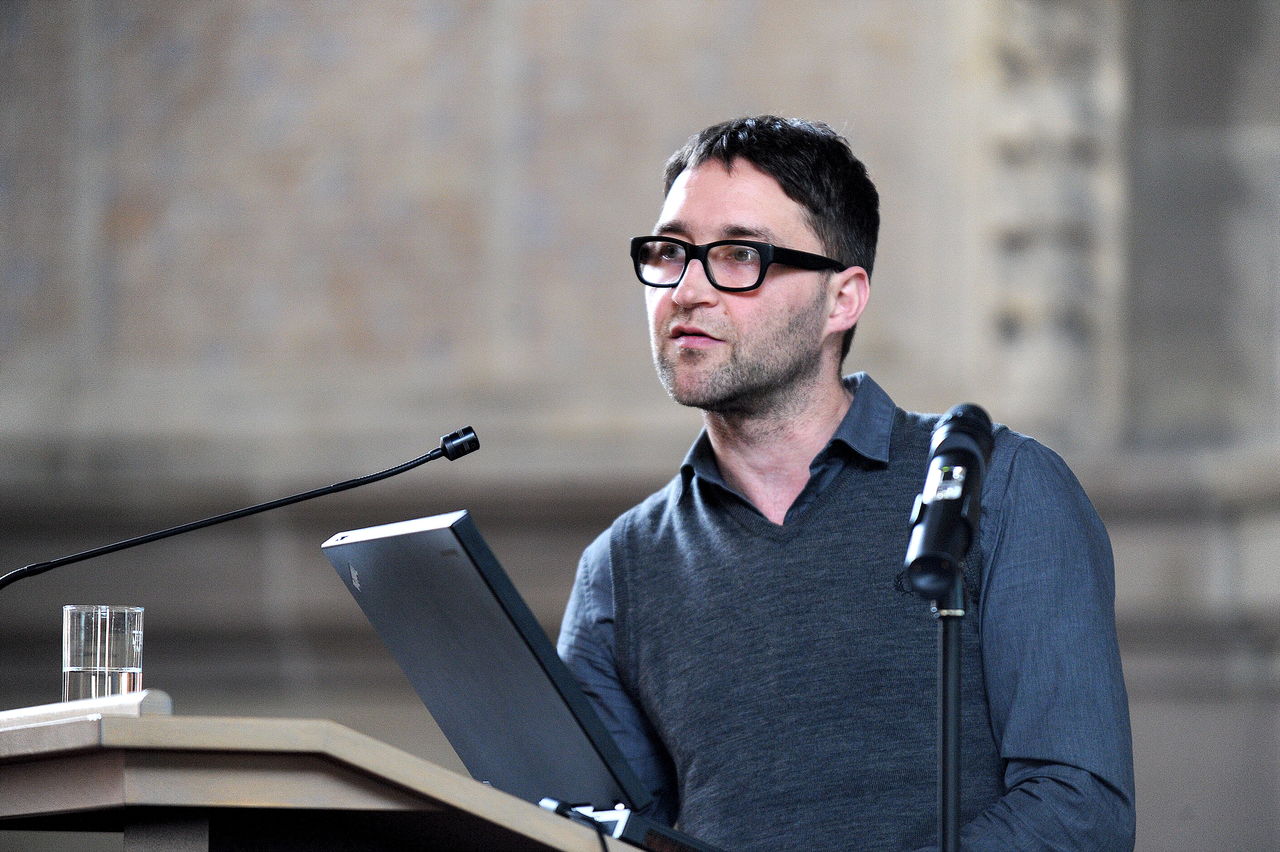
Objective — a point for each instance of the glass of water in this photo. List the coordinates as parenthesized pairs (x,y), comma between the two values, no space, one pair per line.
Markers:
(101,650)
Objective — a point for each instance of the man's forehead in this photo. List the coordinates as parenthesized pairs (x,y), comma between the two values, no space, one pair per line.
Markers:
(713,201)
(713,186)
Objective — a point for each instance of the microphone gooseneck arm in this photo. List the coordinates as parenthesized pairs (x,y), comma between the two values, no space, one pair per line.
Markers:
(452,446)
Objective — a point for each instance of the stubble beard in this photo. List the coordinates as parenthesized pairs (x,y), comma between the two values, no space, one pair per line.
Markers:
(762,378)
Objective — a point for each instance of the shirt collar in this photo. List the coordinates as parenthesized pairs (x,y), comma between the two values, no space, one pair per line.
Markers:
(865,430)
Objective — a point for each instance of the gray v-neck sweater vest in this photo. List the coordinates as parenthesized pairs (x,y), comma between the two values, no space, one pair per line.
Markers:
(792,679)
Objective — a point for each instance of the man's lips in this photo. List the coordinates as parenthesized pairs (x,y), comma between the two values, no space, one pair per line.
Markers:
(692,336)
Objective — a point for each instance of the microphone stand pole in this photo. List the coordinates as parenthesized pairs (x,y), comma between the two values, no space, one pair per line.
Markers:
(452,446)
(949,611)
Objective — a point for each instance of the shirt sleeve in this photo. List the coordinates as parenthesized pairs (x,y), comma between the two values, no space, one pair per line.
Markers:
(1051,663)
(587,644)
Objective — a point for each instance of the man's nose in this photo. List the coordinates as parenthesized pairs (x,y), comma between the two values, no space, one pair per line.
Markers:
(694,287)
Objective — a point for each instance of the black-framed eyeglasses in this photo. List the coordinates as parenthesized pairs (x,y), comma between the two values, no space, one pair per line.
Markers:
(733,266)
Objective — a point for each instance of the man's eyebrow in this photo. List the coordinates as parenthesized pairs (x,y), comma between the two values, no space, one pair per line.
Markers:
(747,232)
(728,232)
(674,226)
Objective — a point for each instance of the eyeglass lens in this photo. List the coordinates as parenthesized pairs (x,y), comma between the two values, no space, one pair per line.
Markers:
(662,263)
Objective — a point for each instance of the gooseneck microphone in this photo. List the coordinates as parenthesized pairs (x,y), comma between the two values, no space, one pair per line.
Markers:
(452,446)
(946,512)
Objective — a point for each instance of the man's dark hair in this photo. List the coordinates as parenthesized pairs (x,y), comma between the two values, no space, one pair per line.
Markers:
(815,168)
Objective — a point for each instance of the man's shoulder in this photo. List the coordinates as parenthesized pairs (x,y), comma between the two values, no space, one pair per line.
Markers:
(651,511)
(1018,461)
(1007,443)
(635,524)
(1023,470)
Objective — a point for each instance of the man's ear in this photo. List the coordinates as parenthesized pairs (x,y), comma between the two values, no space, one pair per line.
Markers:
(850,290)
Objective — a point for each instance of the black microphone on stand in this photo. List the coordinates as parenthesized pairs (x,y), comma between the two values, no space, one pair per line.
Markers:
(943,524)
(452,446)
(946,511)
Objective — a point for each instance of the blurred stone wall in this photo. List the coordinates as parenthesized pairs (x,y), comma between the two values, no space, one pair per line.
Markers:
(248,248)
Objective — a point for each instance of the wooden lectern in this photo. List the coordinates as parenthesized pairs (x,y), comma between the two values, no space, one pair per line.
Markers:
(210,783)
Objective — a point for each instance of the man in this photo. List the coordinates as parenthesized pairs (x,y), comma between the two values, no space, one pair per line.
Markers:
(745,632)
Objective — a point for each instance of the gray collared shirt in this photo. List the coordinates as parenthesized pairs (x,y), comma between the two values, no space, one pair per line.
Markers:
(863,433)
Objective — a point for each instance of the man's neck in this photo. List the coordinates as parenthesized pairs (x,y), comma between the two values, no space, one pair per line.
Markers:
(766,457)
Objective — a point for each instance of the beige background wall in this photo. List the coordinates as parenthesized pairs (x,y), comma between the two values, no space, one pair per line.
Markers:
(249,248)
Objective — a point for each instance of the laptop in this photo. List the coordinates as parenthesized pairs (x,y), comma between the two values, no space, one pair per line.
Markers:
(514,713)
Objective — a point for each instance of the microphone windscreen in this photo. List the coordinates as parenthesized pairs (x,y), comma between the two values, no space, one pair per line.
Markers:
(457,444)
(965,426)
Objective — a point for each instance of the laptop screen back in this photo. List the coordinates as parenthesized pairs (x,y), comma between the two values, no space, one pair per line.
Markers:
(481,663)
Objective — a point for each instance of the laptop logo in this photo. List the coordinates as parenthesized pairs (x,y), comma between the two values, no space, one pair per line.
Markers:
(355,579)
